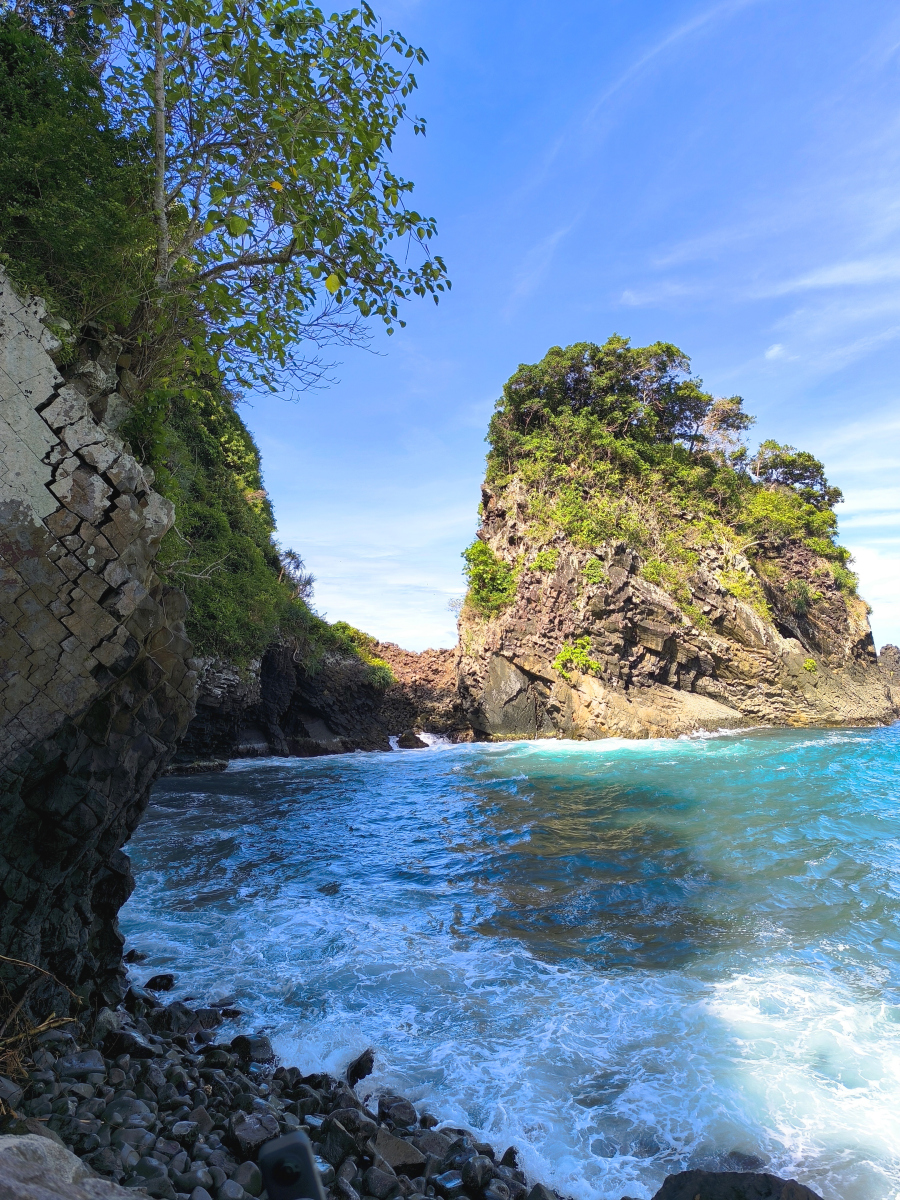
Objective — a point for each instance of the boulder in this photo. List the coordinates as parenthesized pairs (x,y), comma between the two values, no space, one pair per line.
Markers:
(361,1066)
(399,1154)
(732,1185)
(36,1168)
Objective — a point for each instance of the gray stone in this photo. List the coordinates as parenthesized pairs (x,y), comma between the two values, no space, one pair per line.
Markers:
(80,1065)
(380,1184)
(248,1131)
(361,1067)
(230,1191)
(253,1049)
(249,1176)
(36,1168)
(397,1152)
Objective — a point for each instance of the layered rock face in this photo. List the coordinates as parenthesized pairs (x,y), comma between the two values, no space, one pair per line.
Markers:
(276,706)
(97,678)
(646,665)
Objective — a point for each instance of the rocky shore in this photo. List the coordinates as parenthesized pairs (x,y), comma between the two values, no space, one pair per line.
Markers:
(154,1100)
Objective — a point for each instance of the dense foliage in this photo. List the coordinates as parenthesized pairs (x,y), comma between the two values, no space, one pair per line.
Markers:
(621,443)
(75,225)
(212,184)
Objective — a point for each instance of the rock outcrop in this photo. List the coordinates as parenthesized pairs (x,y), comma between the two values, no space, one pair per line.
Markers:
(278,706)
(98,683)
(638,663)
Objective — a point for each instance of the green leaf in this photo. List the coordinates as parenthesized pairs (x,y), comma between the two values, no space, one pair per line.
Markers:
(237,225)
(332,283)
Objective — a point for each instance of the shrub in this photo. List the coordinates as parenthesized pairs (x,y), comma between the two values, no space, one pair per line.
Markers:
(809,664)
(595,571)
(576,656)
(356,642)
(492,582)
(801,596)
(546,559)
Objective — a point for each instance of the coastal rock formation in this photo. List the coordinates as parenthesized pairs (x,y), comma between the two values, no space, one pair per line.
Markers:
(593,651)
(98,684)
(889,661)
(148,1097)
(277,706)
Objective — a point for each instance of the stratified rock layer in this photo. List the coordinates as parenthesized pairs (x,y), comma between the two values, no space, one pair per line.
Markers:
(658,671)
(97,684)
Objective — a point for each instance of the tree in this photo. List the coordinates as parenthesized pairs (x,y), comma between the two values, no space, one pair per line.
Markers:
(774,463)
(644,392)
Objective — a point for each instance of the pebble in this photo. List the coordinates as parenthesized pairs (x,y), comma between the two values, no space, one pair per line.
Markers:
(149,1098)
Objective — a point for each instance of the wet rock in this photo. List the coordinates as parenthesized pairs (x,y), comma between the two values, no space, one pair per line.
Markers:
(732,1185)
(160,983)
(398,1110)
(510,1158)
(477,1172)
(450,1185)
(361,1067)
(253,1049)
(231,1191)
(380,1184)
(127,1041)
(399,1154)
(248,1131)
(360,1127)
(337,1143)
(410,741)
(431,1142)
(134,956)
(539,1192)
(496,1190)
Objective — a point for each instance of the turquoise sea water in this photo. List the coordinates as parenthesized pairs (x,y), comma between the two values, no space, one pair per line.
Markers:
(624,957)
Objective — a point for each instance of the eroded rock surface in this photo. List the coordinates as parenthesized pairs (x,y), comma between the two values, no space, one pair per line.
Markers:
(652,666)
(276,706)
(97,679)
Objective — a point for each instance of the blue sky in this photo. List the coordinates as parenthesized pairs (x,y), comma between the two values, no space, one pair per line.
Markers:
(723,176)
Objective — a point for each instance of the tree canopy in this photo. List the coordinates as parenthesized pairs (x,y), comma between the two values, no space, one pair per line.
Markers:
(263,132)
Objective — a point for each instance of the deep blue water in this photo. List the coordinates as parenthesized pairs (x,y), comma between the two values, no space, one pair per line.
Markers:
(624,957)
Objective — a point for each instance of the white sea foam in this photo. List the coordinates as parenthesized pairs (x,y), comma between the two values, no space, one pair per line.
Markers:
(461,943)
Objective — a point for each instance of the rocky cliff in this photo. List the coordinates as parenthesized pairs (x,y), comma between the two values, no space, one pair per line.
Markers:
(280,705)
(98,684)
(624,584)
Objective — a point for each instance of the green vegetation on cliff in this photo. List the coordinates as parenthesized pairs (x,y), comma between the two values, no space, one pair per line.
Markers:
(212,185)
(616,443)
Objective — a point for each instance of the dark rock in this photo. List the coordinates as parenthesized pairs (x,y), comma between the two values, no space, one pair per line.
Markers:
(127,1041)
(539,1192)
(356,1123)
(732,1185)
(249,1176)
(398,1153)
(449,1185)
(361,1067)
(397,1109)
(478,1172)
(432,1142)
(427,1121)
(10,1093)
(248,1131)
(409,741)
(203,1120)
(230,1191)
(380,1184)
(160,983)
(200,1193)
(337,1143)
(510,1158)
(134,956)
(496,1190)
(253,1049)
(80,1065)
(185,1132)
